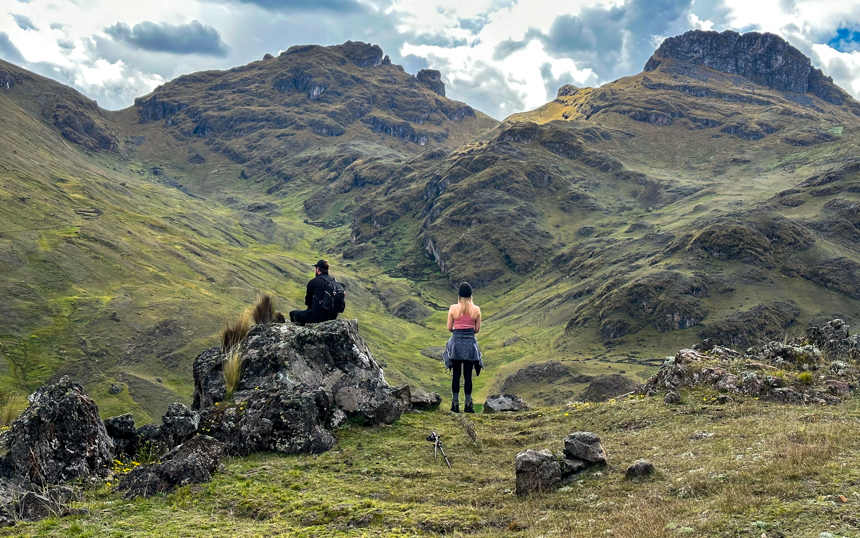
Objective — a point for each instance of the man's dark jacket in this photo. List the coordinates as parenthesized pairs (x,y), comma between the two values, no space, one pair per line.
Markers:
(314,297)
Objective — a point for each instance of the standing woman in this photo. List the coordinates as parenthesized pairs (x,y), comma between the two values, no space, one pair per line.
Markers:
(462,352)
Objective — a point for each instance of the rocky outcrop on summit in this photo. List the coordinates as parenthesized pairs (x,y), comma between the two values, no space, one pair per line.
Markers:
(432,79)
(296,384)
(58,438)
(765,59)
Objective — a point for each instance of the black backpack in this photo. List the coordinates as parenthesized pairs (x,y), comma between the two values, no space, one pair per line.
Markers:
(334,299)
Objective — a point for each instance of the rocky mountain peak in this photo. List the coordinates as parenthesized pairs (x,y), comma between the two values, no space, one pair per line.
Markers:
(763,58)
(432,79)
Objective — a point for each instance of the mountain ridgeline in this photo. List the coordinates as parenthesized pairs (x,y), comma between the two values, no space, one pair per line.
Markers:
(715,194)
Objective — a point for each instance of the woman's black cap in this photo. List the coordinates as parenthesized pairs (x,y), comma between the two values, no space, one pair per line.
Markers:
(465,290)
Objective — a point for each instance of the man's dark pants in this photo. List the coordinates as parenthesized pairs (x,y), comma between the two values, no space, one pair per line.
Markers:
(303,317)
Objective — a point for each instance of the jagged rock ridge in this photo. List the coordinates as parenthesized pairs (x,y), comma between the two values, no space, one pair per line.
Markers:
(765,59)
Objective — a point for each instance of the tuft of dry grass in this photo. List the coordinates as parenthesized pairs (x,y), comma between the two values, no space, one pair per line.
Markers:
(263,310)
(232,369)
(233,334)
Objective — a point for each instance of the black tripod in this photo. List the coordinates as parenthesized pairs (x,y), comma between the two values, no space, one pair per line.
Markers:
(437,447)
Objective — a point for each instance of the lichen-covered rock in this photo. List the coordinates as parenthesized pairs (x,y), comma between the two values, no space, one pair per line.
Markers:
(123,434)
(818,368)
(58,438)
(285,419)
(584,446)
(498,403)
(331,355)
(203,448)
(537,471)
(179,423)
(192,462)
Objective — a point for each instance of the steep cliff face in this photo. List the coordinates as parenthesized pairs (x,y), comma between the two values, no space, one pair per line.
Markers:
(765,59)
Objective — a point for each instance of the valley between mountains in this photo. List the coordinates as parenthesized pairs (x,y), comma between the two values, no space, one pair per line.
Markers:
(713,195)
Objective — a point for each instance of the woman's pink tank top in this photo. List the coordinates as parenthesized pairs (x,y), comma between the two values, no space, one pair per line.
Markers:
(464,322)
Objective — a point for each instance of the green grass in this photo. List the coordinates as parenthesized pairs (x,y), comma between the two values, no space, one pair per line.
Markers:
(767,468)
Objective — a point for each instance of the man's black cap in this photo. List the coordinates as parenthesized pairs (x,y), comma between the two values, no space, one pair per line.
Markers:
(322,264)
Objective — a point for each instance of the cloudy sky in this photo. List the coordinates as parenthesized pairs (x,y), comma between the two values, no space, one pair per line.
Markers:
(500,56)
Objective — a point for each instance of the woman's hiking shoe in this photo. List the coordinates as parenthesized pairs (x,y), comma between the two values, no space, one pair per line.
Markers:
(469,408)
(455,407)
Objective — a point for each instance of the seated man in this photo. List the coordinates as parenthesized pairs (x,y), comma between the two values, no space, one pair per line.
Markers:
(317,288)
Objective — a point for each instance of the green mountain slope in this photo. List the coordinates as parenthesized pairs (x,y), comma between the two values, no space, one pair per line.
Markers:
(118,274)
(713,195)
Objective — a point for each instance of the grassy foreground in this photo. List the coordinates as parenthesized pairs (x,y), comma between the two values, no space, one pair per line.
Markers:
(745,468)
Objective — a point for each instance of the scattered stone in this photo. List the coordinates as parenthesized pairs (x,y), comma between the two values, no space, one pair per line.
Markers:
(424,401)
(115,389)
(584,446)
(698,436)
(639,469)
(839,388)
(537,471)
(672,398)
(58,438)
(498,403)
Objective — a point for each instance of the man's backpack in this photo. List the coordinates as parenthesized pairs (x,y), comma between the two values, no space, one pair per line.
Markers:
(334,299)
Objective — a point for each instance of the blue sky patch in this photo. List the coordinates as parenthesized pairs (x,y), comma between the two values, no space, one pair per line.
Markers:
(845,40)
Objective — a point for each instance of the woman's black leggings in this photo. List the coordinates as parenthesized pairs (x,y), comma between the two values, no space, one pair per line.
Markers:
(466,367)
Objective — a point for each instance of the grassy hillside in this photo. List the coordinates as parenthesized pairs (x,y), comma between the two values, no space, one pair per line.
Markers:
(604,229)
(744,468)
(118,275)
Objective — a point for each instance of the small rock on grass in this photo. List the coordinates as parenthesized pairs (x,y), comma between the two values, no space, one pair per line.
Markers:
(639,469)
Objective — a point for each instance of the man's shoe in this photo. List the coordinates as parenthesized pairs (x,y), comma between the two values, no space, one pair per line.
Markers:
(469,408)
(455,407)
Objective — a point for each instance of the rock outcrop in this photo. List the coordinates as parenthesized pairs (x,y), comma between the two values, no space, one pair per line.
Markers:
(432,79)
(765,59)
(296,384)
(190,463)
(791,371)
(58,438)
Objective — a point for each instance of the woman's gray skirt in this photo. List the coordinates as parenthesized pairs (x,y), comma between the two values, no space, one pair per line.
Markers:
(462,346)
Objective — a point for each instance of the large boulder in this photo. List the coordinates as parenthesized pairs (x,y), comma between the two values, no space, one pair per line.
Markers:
(331,355)
(58,438)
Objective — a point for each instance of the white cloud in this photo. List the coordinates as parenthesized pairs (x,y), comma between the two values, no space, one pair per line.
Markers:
(543,43)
